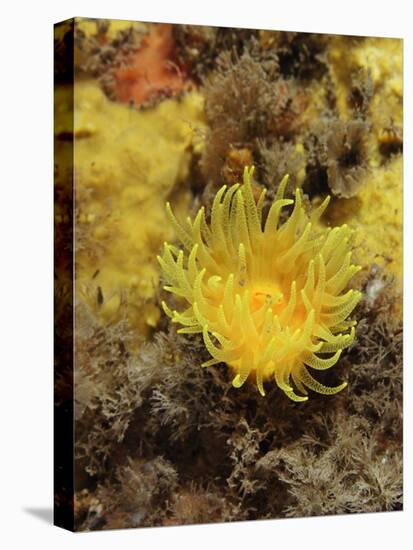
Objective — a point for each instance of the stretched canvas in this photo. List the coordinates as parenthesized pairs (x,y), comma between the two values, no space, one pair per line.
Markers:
(228,274)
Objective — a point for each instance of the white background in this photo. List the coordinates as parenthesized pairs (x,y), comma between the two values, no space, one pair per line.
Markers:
(26,273)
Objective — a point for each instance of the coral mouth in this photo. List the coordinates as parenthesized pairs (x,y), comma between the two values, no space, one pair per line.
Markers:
(271,297)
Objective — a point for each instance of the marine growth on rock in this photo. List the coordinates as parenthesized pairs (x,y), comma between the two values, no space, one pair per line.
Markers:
(269,297)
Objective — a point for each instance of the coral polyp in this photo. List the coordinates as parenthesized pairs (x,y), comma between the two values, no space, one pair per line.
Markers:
(269,296)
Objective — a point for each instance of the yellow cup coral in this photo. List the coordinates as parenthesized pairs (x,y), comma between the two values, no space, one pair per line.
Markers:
(267,297)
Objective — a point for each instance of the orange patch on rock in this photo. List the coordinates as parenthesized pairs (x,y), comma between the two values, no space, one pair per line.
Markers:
(153,70)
